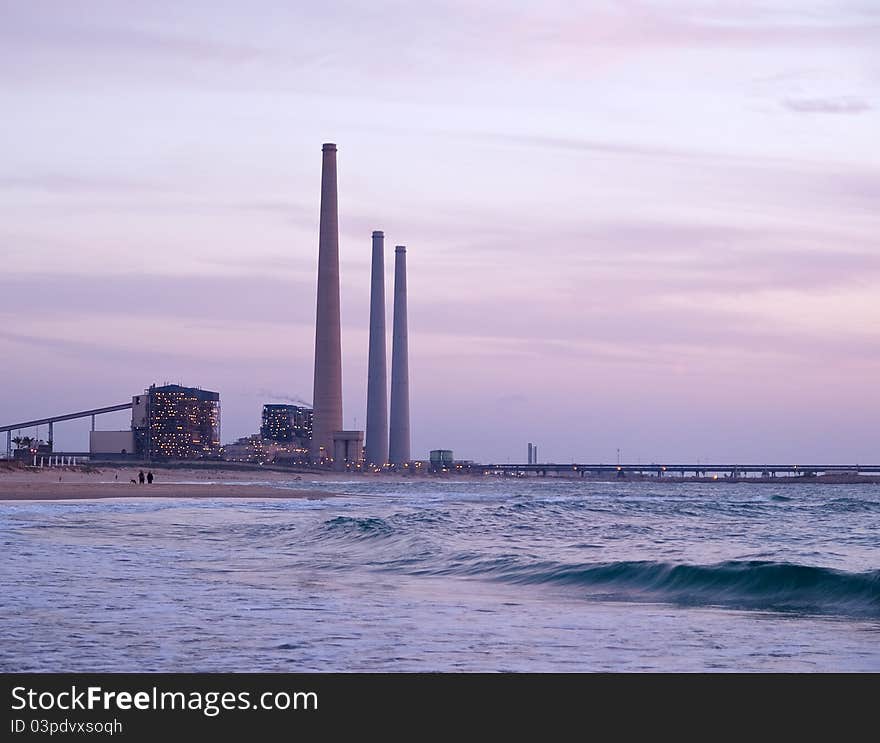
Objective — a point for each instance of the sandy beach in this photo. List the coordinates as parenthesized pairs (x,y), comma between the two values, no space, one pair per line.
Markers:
(87,482)
(75,483)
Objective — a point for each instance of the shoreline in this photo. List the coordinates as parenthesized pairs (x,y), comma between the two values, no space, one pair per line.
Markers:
(87,482)
(58,491)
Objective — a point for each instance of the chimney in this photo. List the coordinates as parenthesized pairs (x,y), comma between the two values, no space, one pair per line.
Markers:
(328,344)
(398,449)
(377,375)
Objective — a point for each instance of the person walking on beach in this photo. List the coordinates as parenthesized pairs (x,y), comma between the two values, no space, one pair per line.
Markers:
(150,477)
(141,477)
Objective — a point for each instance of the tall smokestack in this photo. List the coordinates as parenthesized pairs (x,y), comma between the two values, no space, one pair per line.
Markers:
(398,449)
(328,344)
(377,375)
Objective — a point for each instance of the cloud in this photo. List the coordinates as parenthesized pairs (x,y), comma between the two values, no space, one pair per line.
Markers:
(838,105)
(94,351)
(149,295)
(587,145)
(35,28)
(67,184)
(540,40)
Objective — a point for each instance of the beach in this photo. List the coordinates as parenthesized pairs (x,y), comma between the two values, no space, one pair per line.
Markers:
(18,483)
(76,483)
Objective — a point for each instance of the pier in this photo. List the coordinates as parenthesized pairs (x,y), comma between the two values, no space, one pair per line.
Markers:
(698,469)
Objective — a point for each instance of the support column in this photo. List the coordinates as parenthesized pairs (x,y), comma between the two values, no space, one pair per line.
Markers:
(51,435)
(399,441)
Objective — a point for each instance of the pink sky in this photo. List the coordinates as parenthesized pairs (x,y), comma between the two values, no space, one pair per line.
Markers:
(651,226)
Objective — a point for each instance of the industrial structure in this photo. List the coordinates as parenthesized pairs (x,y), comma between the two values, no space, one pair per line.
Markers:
(399,442)
(287,424)
(348,449)
(377,375)
(328,343)
(331,444)
(50,422)
(176,422)
(441,459)
(680,470)
(167,422)
(249,448)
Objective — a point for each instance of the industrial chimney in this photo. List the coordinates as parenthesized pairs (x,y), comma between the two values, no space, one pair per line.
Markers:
(328,344)
(377,375)
(398,449)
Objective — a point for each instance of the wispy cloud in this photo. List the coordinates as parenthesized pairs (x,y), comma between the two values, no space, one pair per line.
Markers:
(39,29)
(587,145)
(76,349)
(152,295)
(69,183)
(838,105)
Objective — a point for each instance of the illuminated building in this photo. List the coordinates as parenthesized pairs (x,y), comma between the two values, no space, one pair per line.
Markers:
(175,422)
(288,424)
(246,449)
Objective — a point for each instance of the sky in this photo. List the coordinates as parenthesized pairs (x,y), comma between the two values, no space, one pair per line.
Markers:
(644,226)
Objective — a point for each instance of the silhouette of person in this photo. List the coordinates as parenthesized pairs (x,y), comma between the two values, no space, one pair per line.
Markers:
(141,477)
(149,478)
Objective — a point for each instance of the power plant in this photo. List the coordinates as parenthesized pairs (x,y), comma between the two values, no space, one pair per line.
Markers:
(329,442)
(192,416)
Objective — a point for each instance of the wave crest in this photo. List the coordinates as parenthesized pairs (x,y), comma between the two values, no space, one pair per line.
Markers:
(770,586)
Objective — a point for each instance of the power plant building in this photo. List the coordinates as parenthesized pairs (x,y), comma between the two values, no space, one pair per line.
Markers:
(441,458)
(176,422)
(348,447)
(111,444)
(288,424)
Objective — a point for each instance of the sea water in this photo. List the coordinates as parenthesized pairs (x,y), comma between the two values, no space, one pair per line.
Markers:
(437,575)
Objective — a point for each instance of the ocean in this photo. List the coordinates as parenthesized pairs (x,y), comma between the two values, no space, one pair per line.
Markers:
(435,575)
